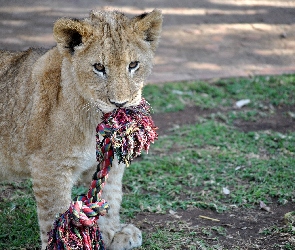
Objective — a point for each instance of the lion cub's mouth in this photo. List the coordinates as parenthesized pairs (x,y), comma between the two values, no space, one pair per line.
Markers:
(134,101)
(106,107)
(118,104)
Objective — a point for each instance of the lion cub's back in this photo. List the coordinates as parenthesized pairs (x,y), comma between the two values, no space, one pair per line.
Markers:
(16,91)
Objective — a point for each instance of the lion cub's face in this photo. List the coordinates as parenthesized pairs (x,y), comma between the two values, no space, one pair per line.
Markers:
(109,56)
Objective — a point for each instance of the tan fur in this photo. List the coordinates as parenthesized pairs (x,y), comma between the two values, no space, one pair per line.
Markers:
(49,102)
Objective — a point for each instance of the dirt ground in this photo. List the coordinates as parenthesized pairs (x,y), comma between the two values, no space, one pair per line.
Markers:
(244,227)
(202,39)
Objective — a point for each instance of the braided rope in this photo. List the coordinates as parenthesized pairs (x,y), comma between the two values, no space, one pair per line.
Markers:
(125,133)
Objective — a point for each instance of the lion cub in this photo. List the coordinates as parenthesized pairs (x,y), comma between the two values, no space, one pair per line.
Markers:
(51,102)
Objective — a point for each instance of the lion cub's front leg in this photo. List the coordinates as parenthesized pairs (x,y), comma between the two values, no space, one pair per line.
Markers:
(52,187)
(117,236)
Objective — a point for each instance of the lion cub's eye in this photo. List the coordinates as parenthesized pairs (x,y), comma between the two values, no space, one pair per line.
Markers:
(99,67)
(133,65)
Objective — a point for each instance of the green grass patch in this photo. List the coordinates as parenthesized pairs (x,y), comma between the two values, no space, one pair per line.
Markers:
(18,221)
(260,90)
(167,239)
(202,160)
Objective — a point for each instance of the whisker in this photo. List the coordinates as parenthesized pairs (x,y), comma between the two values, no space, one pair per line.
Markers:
(95,105)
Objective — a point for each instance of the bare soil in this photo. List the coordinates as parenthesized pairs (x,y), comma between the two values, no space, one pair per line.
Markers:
(201,39)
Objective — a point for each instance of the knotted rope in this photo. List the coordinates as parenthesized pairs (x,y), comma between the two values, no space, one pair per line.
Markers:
(125,132)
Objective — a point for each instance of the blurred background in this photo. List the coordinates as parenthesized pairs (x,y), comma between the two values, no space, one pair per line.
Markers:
(202,39)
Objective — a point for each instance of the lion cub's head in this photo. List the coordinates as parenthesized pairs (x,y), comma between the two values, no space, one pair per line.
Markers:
(108,56)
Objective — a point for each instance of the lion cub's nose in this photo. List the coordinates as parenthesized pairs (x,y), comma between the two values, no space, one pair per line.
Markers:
(118,104)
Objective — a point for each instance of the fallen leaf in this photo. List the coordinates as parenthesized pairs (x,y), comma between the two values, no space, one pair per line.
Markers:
(290,217)
(225,190)
(291,114)
(264,207)
(159,209)
(239,104)
(238,167)
(174,214)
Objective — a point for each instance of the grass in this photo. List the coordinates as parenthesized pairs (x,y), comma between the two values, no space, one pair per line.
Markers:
(18,220)
(203,159)
(192,165)
(262,91)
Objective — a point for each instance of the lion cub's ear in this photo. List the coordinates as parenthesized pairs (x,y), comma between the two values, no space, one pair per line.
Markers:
(149,26)
(70,33)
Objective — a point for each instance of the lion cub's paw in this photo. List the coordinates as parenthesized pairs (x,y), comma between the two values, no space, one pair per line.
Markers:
(127,238)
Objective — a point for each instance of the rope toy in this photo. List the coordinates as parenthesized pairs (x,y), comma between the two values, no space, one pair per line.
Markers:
(125,132)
